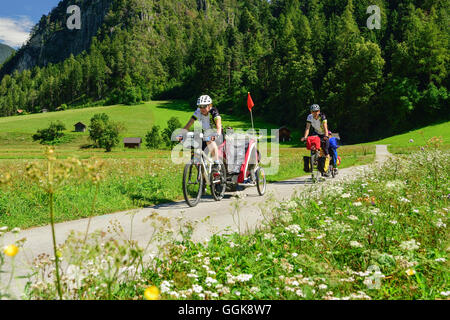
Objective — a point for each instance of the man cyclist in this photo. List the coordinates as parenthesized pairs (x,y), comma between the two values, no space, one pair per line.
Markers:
(208,116)
(317,123)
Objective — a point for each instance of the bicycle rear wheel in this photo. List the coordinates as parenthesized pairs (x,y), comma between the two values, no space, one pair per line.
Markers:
(261,181)
(218,183)
(192,184)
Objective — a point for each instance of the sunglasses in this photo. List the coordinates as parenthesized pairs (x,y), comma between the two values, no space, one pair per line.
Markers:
(203,106)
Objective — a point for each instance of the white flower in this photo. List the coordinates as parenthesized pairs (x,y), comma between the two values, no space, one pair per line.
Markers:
(293,228)
(445,293)
(402,199)
(165,286)
(210,281)
(323,286)
(238,293)
(393,221)
(440,260)
(410,245)
(300,293)
(440,224)
(352,217)
(346,195)
(269,236)
(355,244)
(244,277)
(294,254)
(254,290)
(415,211)
(357,204)
(197,288)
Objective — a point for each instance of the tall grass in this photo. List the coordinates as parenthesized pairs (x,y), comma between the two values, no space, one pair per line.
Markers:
(381,236)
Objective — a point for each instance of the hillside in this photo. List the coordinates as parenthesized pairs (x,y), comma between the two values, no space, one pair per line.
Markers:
(287,53)
(16,131)
(5,52)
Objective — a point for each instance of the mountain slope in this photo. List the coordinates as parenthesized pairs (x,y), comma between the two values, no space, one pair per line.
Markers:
(5,52)
(51,41)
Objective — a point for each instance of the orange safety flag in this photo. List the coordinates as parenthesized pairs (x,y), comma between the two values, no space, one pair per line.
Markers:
(250,103)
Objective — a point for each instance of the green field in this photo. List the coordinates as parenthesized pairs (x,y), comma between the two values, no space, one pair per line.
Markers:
(413,140)
(16,131)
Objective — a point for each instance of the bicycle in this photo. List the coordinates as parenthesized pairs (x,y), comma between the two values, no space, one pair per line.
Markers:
(199,171)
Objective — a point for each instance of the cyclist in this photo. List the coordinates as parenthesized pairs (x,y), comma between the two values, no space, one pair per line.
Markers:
(208,116)
(317,123)
(334,145)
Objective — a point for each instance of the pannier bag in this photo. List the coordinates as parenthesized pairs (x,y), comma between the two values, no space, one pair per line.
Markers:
(306,164)
(313,141)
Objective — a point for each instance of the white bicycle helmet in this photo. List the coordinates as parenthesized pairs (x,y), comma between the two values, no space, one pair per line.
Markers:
(204,100)
(315,107)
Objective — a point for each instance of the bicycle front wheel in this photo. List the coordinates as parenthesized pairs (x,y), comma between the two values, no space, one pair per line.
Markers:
(192,184)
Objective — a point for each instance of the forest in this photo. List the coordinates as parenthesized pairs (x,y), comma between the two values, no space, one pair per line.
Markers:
(371,83)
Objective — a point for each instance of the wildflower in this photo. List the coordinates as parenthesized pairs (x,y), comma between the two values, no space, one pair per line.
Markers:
(355,244)
(445,293)
(323,286)
(352,217)
(254,290)
(197,288)
(11,250)
(402,199)
(294,228)
(440,224)
(244,277)
(165,286)
(411,140)
(410,272)
(238,293)
(393,221)
(294,254)
(357,204)
(300,293)
(151,293)
(410,245)
(346,195)
(440,260)
(415,211)
(209,281)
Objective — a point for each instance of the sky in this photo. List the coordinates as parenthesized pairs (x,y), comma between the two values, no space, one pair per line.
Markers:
(17,17)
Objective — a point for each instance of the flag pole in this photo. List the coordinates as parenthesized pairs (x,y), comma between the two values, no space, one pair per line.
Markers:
(251,116)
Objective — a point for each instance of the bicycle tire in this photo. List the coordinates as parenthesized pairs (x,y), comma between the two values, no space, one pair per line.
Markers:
(261,173)
(187,175)
(218,189)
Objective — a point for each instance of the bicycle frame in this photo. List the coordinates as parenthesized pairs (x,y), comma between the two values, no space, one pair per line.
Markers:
(199,157)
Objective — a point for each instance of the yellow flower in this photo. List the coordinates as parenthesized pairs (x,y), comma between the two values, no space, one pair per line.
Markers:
(151,293)
(11,250)
(410,272)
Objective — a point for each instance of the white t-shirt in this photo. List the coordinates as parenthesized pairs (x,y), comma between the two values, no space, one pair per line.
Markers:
(208,121)
(317,124)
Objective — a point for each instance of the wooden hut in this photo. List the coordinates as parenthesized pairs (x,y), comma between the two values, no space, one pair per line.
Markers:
(132,142)
(80,127)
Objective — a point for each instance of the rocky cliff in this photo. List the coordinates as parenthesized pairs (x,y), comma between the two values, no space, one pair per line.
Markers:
(5,52)
(51,40)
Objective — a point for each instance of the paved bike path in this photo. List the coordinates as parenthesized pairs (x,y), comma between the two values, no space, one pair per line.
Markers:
(223,217)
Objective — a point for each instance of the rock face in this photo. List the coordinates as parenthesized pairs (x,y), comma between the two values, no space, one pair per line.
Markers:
(5,52)
(51,41)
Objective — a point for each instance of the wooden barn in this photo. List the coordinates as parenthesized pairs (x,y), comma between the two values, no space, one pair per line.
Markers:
(80,127)
(284,134)
(132,142)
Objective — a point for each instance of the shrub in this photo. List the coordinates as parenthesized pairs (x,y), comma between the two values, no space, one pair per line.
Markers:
(172,125)
(51,135)
(104,133)
(153,139)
